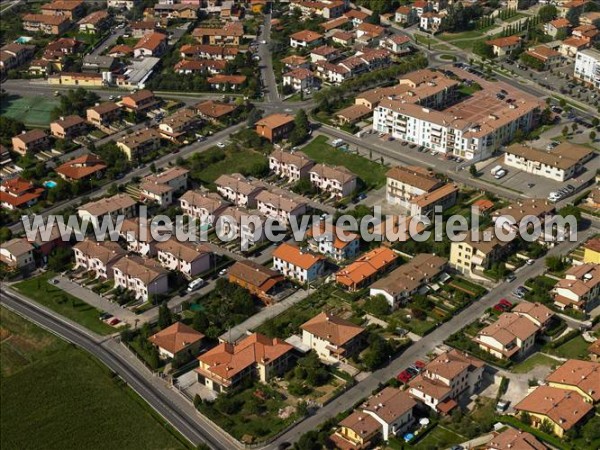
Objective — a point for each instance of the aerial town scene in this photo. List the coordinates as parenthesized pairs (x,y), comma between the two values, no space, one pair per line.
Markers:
(300,224)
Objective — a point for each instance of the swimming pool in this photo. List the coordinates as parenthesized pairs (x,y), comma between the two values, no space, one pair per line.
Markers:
(50,184)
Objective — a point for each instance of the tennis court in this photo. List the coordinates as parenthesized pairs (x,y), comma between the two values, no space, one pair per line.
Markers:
(33,111)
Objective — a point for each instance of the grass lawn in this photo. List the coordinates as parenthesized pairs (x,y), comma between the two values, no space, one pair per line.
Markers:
(439,437)
(55,396)
(575,348)
(515,17)
(533,361)
(451,37)
(372,173)
(32,111)
(65,304)
(235,161)
(423,39)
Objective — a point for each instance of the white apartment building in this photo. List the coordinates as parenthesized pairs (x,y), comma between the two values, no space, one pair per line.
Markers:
(238,189)
(300,266)
(184,257)
(143,277)
(587,67)
(291,166)
(332,243)
(461,130)
(279,206)
(97,257)
(405,183)
(337,180)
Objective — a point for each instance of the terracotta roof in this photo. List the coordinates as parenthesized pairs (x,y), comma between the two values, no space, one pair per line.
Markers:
(561,22)
(356,14)
(94,17)
(299,74)
(298,159)
(294,60)
(124,49)
(62,5)
(483,204)
(354,112)
(504,42)
(362,424)
(412,275)
(338,173)
(231,79)
(132,229)
(366,266)
(293,255)
(81,167)
(108,205)
(564,407)
(104,251)
(564,156)
(238,183)
(227,360)
(593,244)
(543,53)
(429,198)
(528,207)
(209,201)
(538,311)
(215,110)
(139,137)
(235,29)
(31,136)
(105,107)
(145,270)
(390,404)
(595,348)
(333,329)
(217,65)
(512,439)
(151,41)
(583,374)
(306,36)
(185,251)
(508,327)
(341,239)
(69,121)
(280,202)
(334,23)
(46,19)
(175,338)
(451,364)
(137,97)
(254,274)
(415,176)
(275,120)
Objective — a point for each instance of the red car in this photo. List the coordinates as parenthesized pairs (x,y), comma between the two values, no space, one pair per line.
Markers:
(404,376)
(498,307)
(505,303)
(420,364)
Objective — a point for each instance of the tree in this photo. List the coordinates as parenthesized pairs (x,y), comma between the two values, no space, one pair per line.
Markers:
(200,321)
(5,234)
(165,317)
(565,130)
(473,170)
(570,210)
(595,121)
(593,135)
(60,259)
(301,128)
(546,427)
(573,16)
(547,13)
(484,50)
(378,306)
(555,263)
(153,168)
(525,418)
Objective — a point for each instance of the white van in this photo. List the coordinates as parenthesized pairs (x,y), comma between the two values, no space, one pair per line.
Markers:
(499,174)
(337,142)
(196,284)
(496,169)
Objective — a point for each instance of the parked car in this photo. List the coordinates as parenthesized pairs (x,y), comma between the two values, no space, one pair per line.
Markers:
(505,302)
(530,262)
(404,377)
(220,145)
(511,277)
(420,364)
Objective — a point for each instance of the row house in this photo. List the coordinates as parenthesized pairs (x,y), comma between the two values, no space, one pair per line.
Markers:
(18,193)
(94,23)
(324,53)
(142,277)
(205,207)
(179,124)
(68,127)
(138,237)
(154,44)
(328,9)
(72,9)
(41,23)
(260,281)
(97,257)
(205,51)
(445,378)
(240,223)
(238,189)
(144,27)
(290,165)
(299,79)
(337,180)
(579,289)
(140,102)
(229,34)
(81,168)
(366,269)
(300,266)
(511,336)
(178,11)
(223,82)
(17,253)
(582,377)
(188,258)
(30,142)
(14,55)
(139,143)
(214,111)
(103,114)
(256,356)
(161,187)
(333,242)
(211,66)
(279,206)
(112,207)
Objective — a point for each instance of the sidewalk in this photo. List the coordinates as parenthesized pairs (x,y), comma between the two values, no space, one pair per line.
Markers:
(265,314)
(95,300)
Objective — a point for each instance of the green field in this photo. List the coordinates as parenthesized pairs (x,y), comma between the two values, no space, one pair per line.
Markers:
(372,173)
(210,165)
(32,111)
(533,361)
(55,396)
(65,304)
(575,348)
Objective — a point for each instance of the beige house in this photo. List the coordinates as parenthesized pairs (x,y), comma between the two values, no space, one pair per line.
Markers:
(139,143)
(279,206)
(205,207)
(117,205)
(30,141)
(142,277)
(186,257)
(579,289)
(177,339)
(331,337)
(511,336)
(471,257)
(291,166)
(97,257)
(406,183)
(579,376)
(103,114)
(336,180)
(238,189)
(504,46)
(68,127)
(138,237)
(536,312)
(17,253)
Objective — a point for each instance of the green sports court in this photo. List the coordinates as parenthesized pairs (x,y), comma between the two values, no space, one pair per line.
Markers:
(33,111)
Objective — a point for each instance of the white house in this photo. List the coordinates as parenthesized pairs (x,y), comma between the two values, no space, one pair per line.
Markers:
(205,207)
(510,336)
(290,165)
(143,277)
(186,257)
(331,337)
(337,180)
(279,206)
(238,189)
(337,244)
(97,257)
(138,237)
(393,409)
(292,262)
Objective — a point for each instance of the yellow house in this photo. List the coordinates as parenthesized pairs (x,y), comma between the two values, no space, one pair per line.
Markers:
(561,409)
(591,253)
(356,431)
(582,377)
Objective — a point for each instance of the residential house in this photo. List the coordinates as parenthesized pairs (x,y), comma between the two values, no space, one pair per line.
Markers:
(240,223)
(294,263)
(139,143)
(332,338)
(290,165)
(504,46)
(256,356)
(536,312)
(579,376)
(140,102)
(472,257)
(41,23)
(117,205)
(186,257)
(512,438)
(579,289)
(275,127)
(226,82)
(280,206)
(556,26)
(398,44)
(431,21)
(549,58)
(138,237)
(238,189)
(229,34)
(94,23)
(328,9)
(18,192)
(445,378)
(142,277)
(305,39)
(97,257)
(142,28)
(81,168)
(203,66)
(336,180)
(72,9)
(560,164)
(357,16)
(511,336)
(591,251)
(177,126)
(409,279)
(295,62)
(103,114)
(370,34)
(570,47)
(205,51)
(587,67)
(407,183)
(178,339)
(154,44)
(202,206)
(357,431)
(366,269)
(216,112)
(561,408)
(68,127)
(344,38)
(425,204)
(30,141)
(406,15)
(299,79)
(393,409)
(333,242)
(335,24)
(159,193)
(353,114)
(259,280)
(17,254)
(98,63)
(14,55)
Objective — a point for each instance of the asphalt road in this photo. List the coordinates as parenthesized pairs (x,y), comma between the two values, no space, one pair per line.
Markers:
(190,424)
(266,63)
